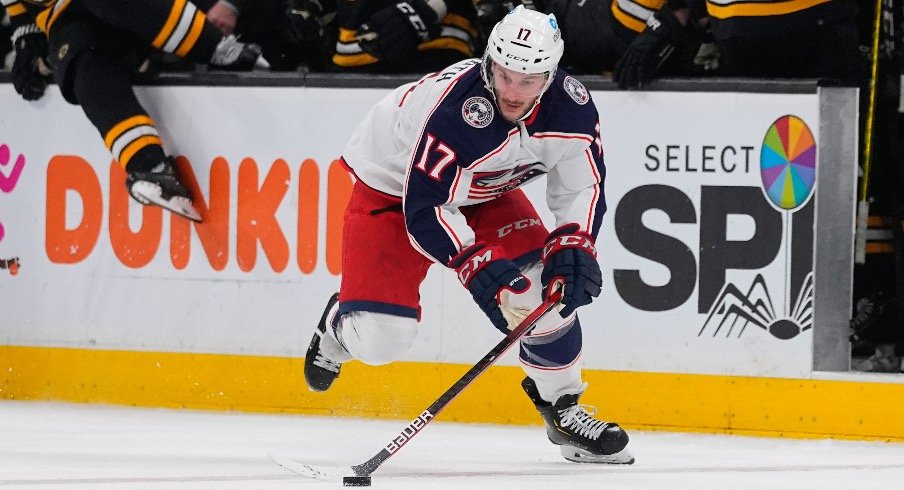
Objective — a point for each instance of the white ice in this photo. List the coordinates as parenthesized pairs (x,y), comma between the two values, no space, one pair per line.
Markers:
(53,445)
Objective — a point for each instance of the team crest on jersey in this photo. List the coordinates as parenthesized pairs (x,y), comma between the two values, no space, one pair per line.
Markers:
(478,112)
(576,90)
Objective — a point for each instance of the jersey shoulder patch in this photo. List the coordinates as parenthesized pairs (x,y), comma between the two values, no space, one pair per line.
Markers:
(478,112)
(576,90)
(567,107)
(467,121)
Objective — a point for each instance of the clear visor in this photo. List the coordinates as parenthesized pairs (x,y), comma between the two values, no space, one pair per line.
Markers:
(512,83)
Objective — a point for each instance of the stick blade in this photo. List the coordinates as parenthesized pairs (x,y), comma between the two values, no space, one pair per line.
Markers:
(317,472)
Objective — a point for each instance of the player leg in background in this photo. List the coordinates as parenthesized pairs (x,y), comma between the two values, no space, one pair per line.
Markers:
(177,27)
(374,317)
(93,65)
(549,354)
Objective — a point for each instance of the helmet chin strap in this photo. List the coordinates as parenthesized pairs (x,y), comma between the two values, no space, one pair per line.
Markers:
(531,110)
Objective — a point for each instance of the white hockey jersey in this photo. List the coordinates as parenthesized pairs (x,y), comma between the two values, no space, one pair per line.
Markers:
(439,144)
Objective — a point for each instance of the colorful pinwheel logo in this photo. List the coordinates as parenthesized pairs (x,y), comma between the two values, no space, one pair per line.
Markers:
(788,162)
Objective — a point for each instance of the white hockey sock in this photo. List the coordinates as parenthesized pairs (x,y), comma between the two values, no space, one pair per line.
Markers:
(553,383)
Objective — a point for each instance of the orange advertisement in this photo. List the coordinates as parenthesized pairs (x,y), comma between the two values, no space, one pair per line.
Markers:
(248,212)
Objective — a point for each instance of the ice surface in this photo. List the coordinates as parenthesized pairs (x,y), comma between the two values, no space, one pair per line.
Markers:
(54,445)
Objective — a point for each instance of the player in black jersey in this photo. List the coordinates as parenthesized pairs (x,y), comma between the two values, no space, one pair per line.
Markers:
(92,48)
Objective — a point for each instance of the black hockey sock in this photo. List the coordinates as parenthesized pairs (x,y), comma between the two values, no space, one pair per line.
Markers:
(103,89)
(146,159)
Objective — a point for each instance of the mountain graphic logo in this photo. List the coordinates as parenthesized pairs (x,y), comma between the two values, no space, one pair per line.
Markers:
(788,176)
(735,310)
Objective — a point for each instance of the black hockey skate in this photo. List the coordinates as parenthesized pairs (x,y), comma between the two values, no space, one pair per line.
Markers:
(234,55)
(580,437)
(161,187)
(319,370)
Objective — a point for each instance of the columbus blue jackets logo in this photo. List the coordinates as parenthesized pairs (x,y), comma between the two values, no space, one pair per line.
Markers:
(478,112)
(576,90)
(488,185)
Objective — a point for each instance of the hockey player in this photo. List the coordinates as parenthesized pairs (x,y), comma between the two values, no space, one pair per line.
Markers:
(439,163)
(674,38)
(268,23)
(603,36)
(412,36)
(93,47)
(788,38)
(766,38)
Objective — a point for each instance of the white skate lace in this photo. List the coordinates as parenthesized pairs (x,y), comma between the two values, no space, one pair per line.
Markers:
(324,362)
(227,51)
(581,421)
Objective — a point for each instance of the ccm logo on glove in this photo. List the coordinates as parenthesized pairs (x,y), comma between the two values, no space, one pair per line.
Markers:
(474,263)
(569,241)
(414,19)
(491,278)
(569,257)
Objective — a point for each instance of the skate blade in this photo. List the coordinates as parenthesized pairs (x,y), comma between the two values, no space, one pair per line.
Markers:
(578,455)
(148,193)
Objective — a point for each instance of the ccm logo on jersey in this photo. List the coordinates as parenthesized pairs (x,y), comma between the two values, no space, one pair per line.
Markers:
(408,432)
(519,225)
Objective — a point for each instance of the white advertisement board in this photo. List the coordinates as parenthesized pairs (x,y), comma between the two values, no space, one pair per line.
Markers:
(706,250)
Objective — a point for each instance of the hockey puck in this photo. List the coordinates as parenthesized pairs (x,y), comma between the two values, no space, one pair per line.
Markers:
(355,481)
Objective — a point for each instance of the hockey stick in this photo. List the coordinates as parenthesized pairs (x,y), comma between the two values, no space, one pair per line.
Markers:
(368,467)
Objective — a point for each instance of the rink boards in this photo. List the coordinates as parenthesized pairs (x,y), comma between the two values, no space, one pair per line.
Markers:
(726,256)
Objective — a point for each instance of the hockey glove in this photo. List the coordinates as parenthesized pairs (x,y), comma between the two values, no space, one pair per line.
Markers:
(30,72)
(394,33)
(284,45)
(650,50)
(318,8)
(491,279)
(490,12)
(570,257)
(707,56)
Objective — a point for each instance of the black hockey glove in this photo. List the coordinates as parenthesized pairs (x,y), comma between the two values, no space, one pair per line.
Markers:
(650,50)
(316,23)
(393,34)
(706,59)
(487,275)
(570,257)
(490,12)
(30,71)
(284,45)
(317,8)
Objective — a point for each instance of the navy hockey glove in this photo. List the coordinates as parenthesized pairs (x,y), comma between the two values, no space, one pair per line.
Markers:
(30,72)
(650,50)
(487,275)
(570,256)
(394,33)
